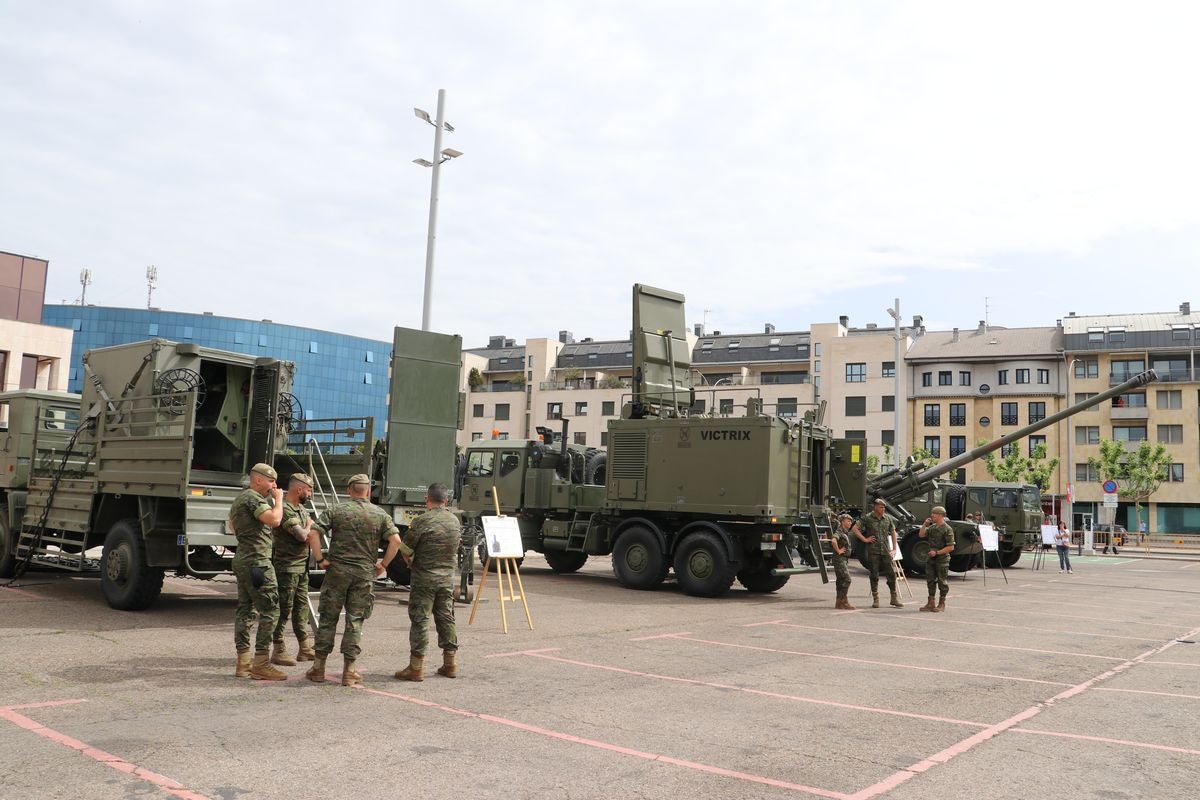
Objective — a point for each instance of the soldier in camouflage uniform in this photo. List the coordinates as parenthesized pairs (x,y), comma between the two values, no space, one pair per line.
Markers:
(434,538)
(939,538)
(839,540)
(253,513)
(878,532)
(356,530)
(290,558)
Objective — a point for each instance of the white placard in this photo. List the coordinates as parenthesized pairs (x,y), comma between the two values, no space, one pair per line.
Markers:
(1048,534)
(503,537)
(990,538)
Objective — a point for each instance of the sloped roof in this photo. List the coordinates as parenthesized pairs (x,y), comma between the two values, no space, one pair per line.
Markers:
(994,343)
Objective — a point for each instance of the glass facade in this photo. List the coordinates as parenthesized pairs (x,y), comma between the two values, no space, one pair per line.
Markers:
(336,375)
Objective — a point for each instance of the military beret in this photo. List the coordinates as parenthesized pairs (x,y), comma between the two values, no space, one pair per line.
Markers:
(879,501)
(300,476)
(359,478)
(939,510)
(266,470)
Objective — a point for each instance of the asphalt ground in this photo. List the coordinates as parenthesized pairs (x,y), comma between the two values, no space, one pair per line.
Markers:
(1049,685)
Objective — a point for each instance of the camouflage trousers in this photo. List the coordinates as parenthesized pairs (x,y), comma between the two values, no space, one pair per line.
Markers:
(937,575)
(293,604)
(353,593)
(436,597)
(879,562)
(255,603)
(841,574)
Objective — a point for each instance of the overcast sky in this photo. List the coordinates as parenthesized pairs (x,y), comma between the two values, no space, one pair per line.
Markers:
(776,162)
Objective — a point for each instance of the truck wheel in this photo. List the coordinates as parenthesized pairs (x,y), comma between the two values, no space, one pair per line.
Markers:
(1009,558)
(638,559)
(8,546)
(962,563)
(956,502)
(128,583)
(914,557)
(597,469)
(702,566)
(758,578)
(563,562)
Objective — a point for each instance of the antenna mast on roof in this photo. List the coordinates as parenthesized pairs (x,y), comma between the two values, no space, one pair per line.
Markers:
(986,314)
(85,280)
(151,282)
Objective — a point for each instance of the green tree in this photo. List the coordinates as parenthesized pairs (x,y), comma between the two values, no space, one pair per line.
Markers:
(474,378)
(1138,473)
(1008,469)
(611,382)
(872,465)
(923,455)
(1038,470)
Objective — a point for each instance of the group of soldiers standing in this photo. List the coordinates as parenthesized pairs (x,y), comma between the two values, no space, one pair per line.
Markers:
(877,532)
(276,534)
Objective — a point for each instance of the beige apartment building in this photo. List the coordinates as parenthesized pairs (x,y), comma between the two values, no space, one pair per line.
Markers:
(32,355)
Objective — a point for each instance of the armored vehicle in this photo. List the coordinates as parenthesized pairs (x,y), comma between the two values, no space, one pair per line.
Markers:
(1014,509)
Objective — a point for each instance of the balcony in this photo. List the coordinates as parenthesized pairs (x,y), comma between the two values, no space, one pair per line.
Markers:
(957,421)
(1008,419)
(1129,412)
(1174,375)
(499,387)
(932,420)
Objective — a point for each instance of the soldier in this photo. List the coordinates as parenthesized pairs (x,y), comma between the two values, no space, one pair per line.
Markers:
(840,542)
(939,537)
(290,558)
(356,530)
(251,518)
(434,538)
(880,539)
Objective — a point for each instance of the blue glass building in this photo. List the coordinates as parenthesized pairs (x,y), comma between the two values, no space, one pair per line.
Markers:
(336,375)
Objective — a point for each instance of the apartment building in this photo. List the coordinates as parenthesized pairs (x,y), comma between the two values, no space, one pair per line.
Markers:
(1104,351)
(32,355)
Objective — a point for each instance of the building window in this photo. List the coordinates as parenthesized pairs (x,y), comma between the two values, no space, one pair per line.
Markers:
(580,437)
(933,444)
(477,410)
(1002,377)
(786,406)
(933,414)
(726,406)
(1022,376)
(1180,333)
(1087,434)
(1008,449)
(366,377)
(76,324)
(887,437)
(888,369)
(697,407)
(604,438)
(1034,443)
(1037,412)
(887,402)
(581,409)
(502,411)
(1176,473)
(816,348)
(856,406)
(945,378)
(1008,413)
(1086,473)
(1129,433)
(1170,434)
(958,445)
(1169,398)
(816,366)
(369,357)
(856,373)
(1116,335)
(239,337)
(530,361)
(153,329)
(187,332)
(262,340)
(1130,400)
(1043,376)
(313,348)
(1087,368)
(1124,369)
(608,408)
(475,437)
(856,435)
(927,379)
(1081,396)
(1095,335)
(964,378)
(802,351)
(554,411)
(503,435)
(958,414)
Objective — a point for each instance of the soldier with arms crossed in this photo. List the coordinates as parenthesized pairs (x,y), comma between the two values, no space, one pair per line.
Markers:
(253,513)
(840,543)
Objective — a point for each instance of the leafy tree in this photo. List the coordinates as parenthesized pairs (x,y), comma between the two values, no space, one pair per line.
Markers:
(611,382)
(1038,470)
(517,380)
(474,378)
(872,465)
(1138,473)
(923,455)
(1018,468)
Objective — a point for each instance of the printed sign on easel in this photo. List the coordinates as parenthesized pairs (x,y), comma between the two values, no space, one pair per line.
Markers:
(990,538)
(502,536)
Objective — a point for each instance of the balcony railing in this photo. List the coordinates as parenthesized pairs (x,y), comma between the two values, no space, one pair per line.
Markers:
(957,421)
(501,387)
(1008,419)
(932,420)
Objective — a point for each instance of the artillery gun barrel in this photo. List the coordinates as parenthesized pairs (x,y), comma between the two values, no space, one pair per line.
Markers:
(1139,380)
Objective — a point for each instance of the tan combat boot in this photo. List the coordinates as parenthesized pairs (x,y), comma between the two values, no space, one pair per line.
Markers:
(306,651)
(261,669)
(840,602)
(279,655)
(846,602)
(243,664)
(895,601)
(874,599)
(350,676)
(415,671)
(448,668)
(929,606)
(941,606)
(316,673)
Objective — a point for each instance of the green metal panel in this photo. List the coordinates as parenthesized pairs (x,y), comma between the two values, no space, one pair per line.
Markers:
(422,412)
(660,349)
(848,473)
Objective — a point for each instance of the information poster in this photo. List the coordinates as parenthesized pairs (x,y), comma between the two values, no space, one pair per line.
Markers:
(503,537)
(1048,534)
(990,538)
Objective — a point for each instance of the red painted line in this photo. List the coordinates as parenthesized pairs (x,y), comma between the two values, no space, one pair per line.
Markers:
(760,692)
(23,594)
(1106,740)
(768,622)
(757,648)
(48,704)
(949,641)
(1145,691)
(168,785)
(612,748)
(1171,664)
(521,652)
(659,636)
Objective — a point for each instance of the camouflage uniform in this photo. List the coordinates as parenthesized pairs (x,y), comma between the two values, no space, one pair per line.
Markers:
(290,559)
(356,530)
(937,569)
(840,568)
(253,552)
(879,554)
(434,538)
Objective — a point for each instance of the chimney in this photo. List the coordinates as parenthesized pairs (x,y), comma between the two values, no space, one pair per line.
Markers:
(768,328)
(566,337)
(698,329)
(1185,308)
(716,333)
(982,326)
(844,321)
(1070,313)
(917,320)
(954,338)
(495,342)
(510,342)
(1058,323)
(872,326)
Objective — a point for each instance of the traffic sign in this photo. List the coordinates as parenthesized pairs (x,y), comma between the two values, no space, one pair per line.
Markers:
(1110,500)
(1110,486)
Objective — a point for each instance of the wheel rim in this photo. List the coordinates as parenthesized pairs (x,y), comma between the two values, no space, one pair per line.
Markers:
(700,564)
(117,565)
(637,558)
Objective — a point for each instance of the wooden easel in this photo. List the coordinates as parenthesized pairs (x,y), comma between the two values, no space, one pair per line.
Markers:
(898,568)
(505,565)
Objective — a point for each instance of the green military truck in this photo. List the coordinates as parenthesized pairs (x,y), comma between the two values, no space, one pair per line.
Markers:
(1014,509)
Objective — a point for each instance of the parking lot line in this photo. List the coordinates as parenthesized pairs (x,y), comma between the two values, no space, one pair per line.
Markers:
(1075,617)
(22,594)
(760,692)
(612,748)
(1147,691)
(944,621)
(1106,740)
(168,785)
(948,641)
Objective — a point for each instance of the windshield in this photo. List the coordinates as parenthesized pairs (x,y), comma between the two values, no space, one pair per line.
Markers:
(1031,499)
(1004,498)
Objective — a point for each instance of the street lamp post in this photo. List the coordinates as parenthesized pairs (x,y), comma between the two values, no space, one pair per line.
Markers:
(897,434)
(439,156)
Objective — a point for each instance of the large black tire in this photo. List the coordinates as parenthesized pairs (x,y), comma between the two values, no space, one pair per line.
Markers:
(1009,558)
(991,559)
(963,563)
(8,546)
(596,473)
(915,553)
(128,583)
(956,501)
(564,562)
(481,551)
(757,577)
(638,559)
(703,566)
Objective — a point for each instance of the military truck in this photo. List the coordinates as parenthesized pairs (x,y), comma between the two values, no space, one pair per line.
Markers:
(1014,509)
